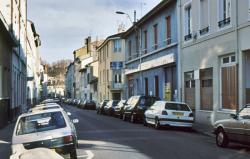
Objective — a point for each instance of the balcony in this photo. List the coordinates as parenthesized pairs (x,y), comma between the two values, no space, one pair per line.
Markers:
(224,22)
(188,37)
(204,31)
(115,86)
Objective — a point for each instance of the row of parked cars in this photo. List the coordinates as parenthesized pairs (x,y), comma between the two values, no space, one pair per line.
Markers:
(83,104)
(149,110)
(47,125)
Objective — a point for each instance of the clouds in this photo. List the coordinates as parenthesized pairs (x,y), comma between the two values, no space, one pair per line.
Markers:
(63,24)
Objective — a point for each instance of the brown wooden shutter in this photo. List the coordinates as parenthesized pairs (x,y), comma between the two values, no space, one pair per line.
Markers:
(168,21)
(229,92)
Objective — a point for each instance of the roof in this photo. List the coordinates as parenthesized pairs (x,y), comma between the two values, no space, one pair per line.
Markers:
(40,112)
(119,35)
(162,5)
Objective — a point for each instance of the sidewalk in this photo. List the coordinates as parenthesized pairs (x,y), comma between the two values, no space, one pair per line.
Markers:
(204,129)
(5,140)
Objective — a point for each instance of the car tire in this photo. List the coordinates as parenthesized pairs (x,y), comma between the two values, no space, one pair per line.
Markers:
(222,138)
(73,154)
(157,124)
(132,118)
(145,121)
(124,117)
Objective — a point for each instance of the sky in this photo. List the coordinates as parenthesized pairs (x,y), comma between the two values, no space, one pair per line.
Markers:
(64,24)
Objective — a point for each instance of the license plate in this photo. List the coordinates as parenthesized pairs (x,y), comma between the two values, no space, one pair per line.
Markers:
(178,114)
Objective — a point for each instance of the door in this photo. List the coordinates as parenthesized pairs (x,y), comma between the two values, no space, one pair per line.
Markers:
(244,115)
(190,89)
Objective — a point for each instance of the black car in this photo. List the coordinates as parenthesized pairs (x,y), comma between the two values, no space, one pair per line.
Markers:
(109,108)
(89,104)
(136,106)
(100,108)
(119,109)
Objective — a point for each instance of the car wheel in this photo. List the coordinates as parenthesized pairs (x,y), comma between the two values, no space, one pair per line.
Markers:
(221,138)
(73,154)
(124,117)
(157,124)
(132,119)
(145,121)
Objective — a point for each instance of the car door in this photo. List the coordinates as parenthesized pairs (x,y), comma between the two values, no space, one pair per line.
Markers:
(244,116)
(150,114)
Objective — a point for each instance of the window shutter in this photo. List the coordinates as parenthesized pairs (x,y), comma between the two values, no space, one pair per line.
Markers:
(228,8)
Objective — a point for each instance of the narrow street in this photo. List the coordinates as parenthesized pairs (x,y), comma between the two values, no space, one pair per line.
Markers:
(108,137)
(103,137)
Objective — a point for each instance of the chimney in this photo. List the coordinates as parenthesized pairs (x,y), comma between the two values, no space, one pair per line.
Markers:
(134,16)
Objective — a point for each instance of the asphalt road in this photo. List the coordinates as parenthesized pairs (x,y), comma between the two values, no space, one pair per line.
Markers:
(104,137)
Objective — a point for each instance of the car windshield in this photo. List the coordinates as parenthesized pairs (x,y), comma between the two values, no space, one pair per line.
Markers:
(134,101)
(176,106)
(245,113)
(115,103)
(40,122)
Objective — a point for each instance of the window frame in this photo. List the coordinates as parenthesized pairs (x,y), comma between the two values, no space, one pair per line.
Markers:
(185,30)
(226,26)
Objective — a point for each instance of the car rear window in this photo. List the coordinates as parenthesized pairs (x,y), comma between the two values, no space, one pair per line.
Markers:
(147,101)
(115,103)
(40,122)
(175,106)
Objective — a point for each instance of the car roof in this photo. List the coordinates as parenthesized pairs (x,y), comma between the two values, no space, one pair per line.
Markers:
(173,102)
(40,112)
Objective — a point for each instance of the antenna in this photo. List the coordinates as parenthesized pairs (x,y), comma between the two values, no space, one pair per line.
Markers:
(142,4)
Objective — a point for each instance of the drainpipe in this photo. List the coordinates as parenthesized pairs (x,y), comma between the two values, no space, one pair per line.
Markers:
(237,54)
(179,51)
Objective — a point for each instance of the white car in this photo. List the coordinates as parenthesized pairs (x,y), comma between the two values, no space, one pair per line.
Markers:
(164,113)
(50,128)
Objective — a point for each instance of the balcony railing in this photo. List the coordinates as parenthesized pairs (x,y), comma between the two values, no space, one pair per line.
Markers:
(204,31)
(188,37)
(224,22)
(115,86)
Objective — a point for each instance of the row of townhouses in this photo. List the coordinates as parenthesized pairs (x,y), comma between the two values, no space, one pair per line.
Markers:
(194,51)
(21,73)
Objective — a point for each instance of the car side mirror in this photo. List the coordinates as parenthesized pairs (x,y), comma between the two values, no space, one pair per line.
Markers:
(75,121)
(234,116)
(68,113)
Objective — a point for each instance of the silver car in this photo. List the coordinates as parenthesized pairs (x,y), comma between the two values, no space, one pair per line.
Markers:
(235,129)
(50,128)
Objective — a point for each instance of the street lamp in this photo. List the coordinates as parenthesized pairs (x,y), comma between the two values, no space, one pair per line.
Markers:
(140,47)
(122,13)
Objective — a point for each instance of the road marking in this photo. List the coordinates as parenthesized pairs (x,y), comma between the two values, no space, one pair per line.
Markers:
(4,142)
(91,142)
(90,154)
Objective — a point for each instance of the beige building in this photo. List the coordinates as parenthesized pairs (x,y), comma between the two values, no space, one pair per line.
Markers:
(214,56)
(111,82)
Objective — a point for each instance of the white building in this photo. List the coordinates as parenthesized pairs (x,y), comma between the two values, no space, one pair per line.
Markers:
(33,65)
(214,56)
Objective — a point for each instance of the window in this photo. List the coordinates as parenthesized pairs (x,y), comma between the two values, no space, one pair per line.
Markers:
(137,45)
(156,86)
(249,9)
(228,60)
(188,22)
(1,82)
(107,48)
(117,45)
(155,36)
(168,29)
(206,89)
(129,50)
(224,13)
(204,17)
(146,86)
(118,78)
(107,75)
(145,41)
